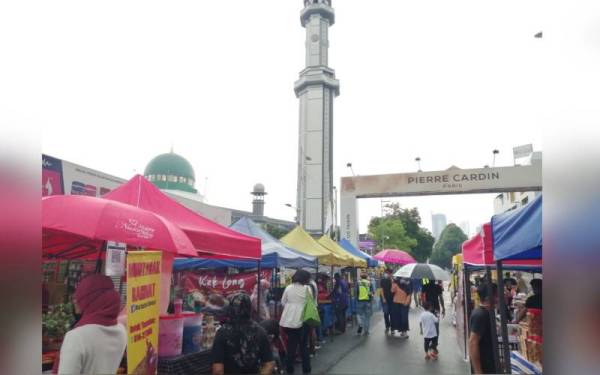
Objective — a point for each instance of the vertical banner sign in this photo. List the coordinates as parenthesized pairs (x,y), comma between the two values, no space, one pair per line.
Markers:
(143,283)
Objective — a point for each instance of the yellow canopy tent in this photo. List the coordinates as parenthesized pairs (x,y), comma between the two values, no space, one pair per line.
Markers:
(330,244)
(301,241)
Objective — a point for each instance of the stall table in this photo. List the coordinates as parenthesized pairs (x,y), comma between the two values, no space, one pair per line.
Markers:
(195,363)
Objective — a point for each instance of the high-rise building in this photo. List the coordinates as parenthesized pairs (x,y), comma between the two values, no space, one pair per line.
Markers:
(438,223)
(316,88)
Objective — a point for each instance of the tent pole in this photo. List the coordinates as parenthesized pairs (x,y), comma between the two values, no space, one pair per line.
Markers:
(503,319)
(493,331)
(258,293)
(333,307)
(99,260)
(466,300)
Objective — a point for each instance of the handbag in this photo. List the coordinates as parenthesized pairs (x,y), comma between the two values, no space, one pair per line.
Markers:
(310,313)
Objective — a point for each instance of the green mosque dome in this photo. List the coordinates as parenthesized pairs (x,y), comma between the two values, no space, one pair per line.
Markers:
(171,171)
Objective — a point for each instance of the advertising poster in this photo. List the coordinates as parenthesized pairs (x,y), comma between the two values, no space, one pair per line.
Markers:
(143,291)
(115,258)
(202,284)
(52,179)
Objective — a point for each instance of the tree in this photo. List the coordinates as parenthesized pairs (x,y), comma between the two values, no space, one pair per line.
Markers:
(274,230)
(411,220)
(390,232)
(449,244)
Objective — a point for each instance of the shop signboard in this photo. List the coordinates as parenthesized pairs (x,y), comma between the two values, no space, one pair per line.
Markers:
(143,291)
(203,284)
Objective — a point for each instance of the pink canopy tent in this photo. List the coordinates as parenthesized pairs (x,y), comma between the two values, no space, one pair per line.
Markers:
(479,251)
(394,256)
(75,226)
(210,239)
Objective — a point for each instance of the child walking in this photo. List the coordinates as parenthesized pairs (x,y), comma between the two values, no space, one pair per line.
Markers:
(429,331)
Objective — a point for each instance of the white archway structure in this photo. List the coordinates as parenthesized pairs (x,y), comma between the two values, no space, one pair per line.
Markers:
(451,181)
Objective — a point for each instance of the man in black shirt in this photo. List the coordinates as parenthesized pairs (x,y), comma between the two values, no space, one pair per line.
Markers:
(535,301)
(241,346)
(481,350)
(387,298)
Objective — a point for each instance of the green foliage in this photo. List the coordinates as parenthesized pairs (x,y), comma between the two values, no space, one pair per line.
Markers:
(389,232)
(274,230)
(420,241)
(58,320)
(449,244)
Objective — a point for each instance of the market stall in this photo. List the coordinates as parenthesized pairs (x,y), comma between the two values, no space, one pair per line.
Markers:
(100,235)
(477,260)
(275,256)
(517,235)
(300,240)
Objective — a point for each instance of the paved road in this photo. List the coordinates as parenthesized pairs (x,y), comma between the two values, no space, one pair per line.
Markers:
(381,354)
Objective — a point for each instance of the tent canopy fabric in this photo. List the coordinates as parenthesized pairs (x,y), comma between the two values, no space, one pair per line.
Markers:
(210,239)
(331,245)
(301,241)
(517,234)
(344,243)
(477,252)
(66,217)
(274,253)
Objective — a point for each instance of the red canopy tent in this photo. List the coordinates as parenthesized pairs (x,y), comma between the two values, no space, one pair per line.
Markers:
(210,239)
(479,252)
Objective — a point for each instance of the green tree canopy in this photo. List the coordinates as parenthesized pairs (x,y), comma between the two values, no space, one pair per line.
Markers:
(275,230)
(449,244)
(389,232)
(411,220)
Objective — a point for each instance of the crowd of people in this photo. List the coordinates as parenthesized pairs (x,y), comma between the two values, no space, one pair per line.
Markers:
(250,339)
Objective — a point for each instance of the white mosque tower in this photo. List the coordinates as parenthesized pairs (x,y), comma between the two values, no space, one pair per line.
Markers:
(316,89)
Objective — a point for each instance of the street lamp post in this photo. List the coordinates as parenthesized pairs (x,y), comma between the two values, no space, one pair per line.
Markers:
(349,165)
(495,152)
(297,212)
(383,238)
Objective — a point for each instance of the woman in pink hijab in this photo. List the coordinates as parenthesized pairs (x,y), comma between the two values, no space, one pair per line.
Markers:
(97,342)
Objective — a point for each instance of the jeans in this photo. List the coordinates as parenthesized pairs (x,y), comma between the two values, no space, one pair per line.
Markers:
(387,314)
(297,337)
(364,312)
(431,344)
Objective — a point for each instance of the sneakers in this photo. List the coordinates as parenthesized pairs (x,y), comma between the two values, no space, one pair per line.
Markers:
(387,330)
(433,355)
(359,331)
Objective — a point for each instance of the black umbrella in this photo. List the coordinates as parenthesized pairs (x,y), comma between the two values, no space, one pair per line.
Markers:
(422,271)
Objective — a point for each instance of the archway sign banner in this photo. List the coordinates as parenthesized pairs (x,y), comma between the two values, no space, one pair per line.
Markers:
(451,181)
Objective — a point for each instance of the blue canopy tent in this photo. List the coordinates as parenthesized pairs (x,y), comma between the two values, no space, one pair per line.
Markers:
(344,243)
(274,253)
(518,234)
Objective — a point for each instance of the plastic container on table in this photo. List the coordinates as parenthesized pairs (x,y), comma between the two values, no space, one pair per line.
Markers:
(170,335)
(192,332)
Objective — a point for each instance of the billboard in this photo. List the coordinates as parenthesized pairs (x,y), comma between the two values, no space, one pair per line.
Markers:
(63,177)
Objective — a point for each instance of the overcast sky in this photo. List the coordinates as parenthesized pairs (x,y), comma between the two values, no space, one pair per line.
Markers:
(448,81)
